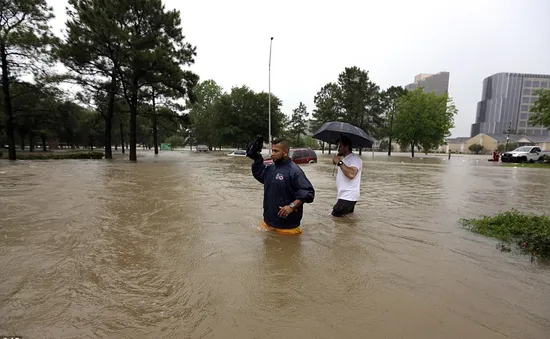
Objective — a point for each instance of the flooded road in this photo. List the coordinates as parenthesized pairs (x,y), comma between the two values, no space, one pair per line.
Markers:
(171,247)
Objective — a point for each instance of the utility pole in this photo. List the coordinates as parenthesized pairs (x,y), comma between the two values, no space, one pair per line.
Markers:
(269,104)
(508,135)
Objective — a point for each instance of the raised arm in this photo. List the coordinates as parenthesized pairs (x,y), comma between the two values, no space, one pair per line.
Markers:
(259,169)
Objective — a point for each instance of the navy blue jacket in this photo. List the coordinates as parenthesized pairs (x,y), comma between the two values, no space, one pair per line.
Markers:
(283,183)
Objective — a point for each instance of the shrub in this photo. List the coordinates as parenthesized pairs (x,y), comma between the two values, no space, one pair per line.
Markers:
(530,232)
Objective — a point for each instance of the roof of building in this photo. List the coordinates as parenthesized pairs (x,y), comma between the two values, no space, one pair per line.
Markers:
(500,137)
(517,137)
(458,140)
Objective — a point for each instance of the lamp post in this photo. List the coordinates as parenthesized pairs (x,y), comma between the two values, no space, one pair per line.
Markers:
(508,136)
(269,102)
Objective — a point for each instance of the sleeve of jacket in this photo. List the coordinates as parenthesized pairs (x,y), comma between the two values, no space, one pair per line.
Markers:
(259,169)
(303,189)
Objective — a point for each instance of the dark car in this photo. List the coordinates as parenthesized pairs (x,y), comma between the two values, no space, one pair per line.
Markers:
(300,156)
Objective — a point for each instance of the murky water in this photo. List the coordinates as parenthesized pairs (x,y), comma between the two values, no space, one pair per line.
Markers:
(171,247)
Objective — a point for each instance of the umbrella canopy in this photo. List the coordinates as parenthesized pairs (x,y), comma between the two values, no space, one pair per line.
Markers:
(332,131)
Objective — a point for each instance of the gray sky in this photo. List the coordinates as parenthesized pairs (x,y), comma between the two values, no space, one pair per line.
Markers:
(392,39)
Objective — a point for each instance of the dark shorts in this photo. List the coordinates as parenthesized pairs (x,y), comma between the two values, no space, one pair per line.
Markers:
(343,207)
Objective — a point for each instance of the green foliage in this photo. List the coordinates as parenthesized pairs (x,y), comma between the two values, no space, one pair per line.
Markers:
(25,36)
(242,114)
(423,119)
(385,145)
(176,141)
(203,112)
(541,108)
(530,232)
(154,53)
(298,122)
(25,42)
(354,98)
(326,106)
(389,99)
(476,148)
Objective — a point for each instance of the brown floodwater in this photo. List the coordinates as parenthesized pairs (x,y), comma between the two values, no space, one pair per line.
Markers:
(172,247)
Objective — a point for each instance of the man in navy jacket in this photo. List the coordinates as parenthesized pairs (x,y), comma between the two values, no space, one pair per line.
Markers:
(286,189)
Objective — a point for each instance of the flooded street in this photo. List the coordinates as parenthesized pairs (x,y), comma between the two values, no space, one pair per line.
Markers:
(172,247)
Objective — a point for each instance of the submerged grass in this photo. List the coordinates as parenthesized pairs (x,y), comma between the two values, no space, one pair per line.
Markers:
(530,232)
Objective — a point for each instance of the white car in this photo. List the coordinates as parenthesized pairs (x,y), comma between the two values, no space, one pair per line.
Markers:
(238,153)
(524,154)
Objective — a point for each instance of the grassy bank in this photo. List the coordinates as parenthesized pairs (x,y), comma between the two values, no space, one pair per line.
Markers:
(529,232)
(527,165)
(56,155)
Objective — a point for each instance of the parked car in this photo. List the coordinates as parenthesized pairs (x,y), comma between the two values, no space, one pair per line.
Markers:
(238,153)
(524,154)
(202,148)
(300,156)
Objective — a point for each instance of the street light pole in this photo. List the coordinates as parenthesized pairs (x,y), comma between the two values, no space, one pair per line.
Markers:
(508,135)
(269,104)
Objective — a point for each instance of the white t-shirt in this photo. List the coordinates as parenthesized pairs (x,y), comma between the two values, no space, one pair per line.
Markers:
(348,189)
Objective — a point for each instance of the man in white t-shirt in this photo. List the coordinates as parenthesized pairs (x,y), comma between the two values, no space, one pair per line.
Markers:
(348,179)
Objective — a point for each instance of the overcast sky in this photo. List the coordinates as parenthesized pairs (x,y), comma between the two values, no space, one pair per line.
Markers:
(392,39)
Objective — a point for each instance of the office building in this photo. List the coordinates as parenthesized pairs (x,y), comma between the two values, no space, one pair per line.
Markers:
(505,102)
(437,83)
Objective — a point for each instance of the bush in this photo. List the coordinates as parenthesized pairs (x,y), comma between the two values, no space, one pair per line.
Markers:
(59,155)
(476,148)
(530,232)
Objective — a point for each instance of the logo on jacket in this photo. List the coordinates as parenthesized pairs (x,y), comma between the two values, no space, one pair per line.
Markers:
(279,176)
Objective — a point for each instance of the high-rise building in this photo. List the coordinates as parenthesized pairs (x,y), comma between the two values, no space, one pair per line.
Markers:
(505,102)
(437,83)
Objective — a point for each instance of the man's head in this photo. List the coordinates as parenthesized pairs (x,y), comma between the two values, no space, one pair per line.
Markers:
(280,149)
(344,146)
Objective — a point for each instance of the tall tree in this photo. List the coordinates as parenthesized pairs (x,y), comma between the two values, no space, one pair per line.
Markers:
(541,108)
(92,52)
(423,119)
(154,52)
(359,99)
(242,114)
(25,42)
(389,99)
(326,106)
(203,112)
(298,121)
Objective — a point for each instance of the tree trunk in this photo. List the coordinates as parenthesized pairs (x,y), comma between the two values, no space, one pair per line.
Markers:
(31,141)
(155,135)
(116,147)
(133,128)
(323,147)
(108,134)
(7,104)
(391,126)
(412,149)
(360,150)
(133,120)
(329,147)
(22,136)
(122,138)
(109,115)
(43,142)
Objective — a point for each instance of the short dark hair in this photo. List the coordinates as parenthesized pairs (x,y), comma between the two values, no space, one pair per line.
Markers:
(283,142)
(346,141)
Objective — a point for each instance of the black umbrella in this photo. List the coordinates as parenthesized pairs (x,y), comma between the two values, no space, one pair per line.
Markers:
(332,131)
